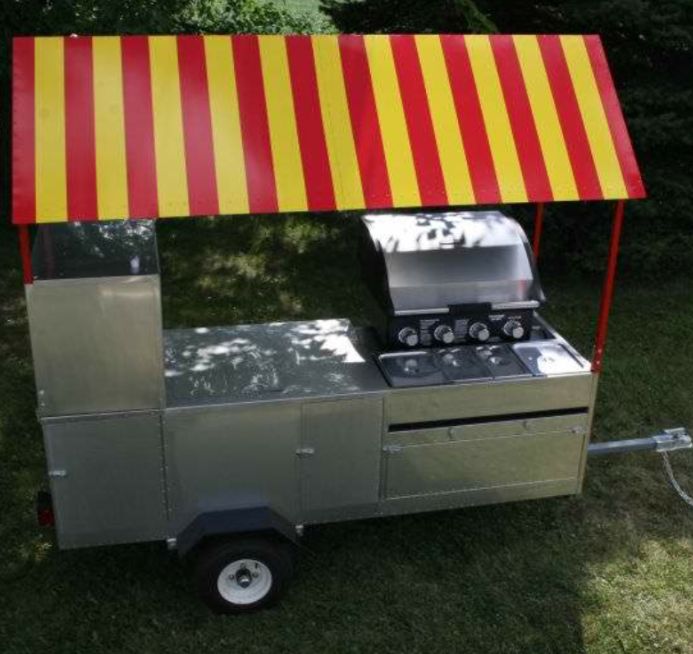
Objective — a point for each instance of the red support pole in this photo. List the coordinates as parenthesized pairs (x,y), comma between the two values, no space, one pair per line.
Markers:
(538,225)
(608,290)
(25,254)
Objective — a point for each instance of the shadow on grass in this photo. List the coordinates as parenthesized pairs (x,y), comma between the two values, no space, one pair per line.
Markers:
(560,575)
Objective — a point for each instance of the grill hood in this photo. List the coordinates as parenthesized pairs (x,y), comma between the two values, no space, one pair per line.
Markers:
(431,263)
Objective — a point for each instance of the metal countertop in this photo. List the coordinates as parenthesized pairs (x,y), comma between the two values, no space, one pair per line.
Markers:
(268,362)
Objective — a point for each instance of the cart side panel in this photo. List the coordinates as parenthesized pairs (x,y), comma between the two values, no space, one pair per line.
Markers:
(340,468)
(96,344)
(106,475)
(231,457)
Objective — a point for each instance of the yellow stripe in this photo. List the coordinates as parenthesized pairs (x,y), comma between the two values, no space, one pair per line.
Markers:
(109,128)
(445,124)
(551,138)
(51,174)
(172,183)
(393,125)
(335,117)
(226,126)
(286,154)
(498,129)
(593,117)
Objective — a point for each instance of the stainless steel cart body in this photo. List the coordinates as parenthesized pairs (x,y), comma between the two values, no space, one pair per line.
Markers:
(146,429)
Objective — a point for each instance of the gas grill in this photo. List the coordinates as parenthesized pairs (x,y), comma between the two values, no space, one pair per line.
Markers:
(450,278)
(458,294)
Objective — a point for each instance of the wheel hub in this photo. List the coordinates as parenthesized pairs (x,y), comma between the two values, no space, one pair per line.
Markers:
(244,578)
(244,581)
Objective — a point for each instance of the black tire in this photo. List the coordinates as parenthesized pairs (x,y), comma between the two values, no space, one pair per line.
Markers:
(214,559)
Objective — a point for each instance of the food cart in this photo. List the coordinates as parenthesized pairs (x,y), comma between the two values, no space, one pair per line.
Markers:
(225,441)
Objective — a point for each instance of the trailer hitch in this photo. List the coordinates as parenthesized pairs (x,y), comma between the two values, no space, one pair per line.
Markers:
(669,440)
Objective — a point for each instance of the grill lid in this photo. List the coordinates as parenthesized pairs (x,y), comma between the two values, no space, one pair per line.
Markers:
(434,261)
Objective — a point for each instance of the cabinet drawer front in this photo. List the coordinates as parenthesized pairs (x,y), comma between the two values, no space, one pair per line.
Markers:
(474,430)
(482,463)
(459,401)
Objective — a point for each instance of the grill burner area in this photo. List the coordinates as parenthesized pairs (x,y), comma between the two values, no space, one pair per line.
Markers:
(473,363)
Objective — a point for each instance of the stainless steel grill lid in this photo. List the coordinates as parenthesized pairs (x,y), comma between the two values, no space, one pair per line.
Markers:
(434,261)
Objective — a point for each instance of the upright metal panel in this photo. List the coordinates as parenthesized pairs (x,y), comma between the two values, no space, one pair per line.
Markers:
(341,450)
(232,456)
(106,475)
(96,344)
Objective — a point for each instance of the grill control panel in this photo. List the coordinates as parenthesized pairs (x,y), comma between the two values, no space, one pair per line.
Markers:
(437,330)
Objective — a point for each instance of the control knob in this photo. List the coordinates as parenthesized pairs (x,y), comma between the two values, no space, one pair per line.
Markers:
(408,336)
(444,334)
(479,331)
(514,329)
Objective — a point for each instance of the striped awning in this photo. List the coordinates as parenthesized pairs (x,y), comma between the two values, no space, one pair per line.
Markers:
(155,126)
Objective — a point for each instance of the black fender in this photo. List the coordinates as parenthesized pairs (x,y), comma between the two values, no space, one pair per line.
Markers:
(251,520)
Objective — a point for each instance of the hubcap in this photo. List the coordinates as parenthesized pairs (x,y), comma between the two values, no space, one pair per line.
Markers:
(243,578)
(244,581)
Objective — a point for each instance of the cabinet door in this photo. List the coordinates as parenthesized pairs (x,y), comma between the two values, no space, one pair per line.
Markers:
(340,455)
(232,457)
(107,479)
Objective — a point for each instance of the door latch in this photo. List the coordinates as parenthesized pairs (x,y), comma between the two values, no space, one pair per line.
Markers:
(305,451)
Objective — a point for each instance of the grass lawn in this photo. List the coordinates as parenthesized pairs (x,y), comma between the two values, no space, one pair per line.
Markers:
(611,571)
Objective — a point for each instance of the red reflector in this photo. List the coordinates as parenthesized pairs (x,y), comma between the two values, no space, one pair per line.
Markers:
(46,518)
(44,510)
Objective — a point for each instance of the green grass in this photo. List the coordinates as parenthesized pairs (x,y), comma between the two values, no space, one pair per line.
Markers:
(611,571)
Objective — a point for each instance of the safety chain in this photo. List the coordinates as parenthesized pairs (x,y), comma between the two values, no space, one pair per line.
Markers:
(672,480)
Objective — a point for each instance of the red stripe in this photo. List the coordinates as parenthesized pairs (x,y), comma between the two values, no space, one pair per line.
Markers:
(139,127)
(574,133)
(614,116)
(521,120)
(429,171)
(474,137)
(311,131)
(80,148)
(364,122)
(197,126)
(257,149)
(23,132)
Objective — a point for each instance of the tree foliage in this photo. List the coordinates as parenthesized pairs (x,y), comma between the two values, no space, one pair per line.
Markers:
(405,16)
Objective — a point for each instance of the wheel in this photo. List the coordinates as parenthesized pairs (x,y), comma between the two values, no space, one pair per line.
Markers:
(242,575)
